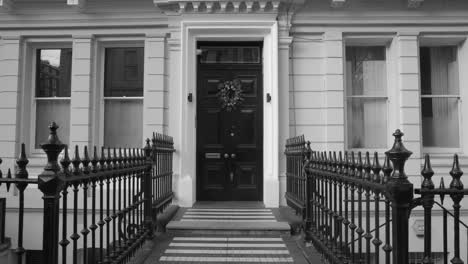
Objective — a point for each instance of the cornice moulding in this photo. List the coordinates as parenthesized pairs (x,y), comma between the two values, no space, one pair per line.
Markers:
(223,6)
(415,3)
(80,5)
(337,3)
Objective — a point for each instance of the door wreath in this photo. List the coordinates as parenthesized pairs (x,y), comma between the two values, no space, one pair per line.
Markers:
(230,94)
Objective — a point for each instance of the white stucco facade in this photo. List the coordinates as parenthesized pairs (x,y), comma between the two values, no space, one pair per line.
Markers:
(303,70)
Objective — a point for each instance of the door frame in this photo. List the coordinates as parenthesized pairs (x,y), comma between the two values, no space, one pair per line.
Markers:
(258,124)
(191,33)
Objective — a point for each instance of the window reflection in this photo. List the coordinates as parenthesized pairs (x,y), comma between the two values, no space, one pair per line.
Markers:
(53,78)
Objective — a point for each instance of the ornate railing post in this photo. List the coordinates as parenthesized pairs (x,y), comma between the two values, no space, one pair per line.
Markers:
(147,191)
(401,194)
(308,194)
(50,183)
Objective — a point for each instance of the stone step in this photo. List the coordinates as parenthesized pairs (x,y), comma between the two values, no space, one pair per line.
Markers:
(227,221)
(219,249)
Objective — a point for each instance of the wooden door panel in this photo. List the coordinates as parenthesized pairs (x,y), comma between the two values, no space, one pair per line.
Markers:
(247,178)
(211,176)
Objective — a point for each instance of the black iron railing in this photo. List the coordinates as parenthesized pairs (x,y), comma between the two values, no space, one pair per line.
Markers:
(357,211)
(113,193)
(295,177)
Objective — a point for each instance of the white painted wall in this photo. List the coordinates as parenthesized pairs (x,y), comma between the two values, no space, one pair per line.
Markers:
(310,76)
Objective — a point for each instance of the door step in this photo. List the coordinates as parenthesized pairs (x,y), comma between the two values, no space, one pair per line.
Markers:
(243,221)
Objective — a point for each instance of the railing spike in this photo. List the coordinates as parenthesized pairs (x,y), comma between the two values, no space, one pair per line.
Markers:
(387,169)
(340,162)
(102,160)
(367,167)
(335,162)
(427,173)
(86,161)
(120,158)
(22,161)
(1,174)
(352,165)
(109,159)
(8,184)
(456,173)
(95,159)
(345,163)
(376,168)
(115,158)
(76,161)
(65,162)
(359,166)
(442,187)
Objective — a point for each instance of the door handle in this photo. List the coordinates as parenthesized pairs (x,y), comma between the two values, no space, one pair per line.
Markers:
(226,156)
(233,156)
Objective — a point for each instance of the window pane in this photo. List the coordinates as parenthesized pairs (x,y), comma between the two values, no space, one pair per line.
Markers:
(367,122)
(48,111)
(123,123)
(230,54)
(439,70)
(123,72)
(440,122)
(53,72)
(366,71)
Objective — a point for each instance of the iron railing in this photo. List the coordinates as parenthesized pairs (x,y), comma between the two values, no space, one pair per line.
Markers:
(117,195)
(357,211)
(295,176)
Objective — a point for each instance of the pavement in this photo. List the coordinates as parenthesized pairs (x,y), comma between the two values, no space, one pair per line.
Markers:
(191,248)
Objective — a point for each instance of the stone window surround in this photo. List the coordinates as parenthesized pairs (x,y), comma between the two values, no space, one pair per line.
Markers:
(28,70)
(372,40)
(98,85)
(434,40)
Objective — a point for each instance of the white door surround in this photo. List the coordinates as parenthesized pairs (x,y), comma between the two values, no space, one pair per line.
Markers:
(192,32)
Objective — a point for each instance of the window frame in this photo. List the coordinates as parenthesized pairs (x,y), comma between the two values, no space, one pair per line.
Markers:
(33,45)
(368,41)
(99,99)
(455,41)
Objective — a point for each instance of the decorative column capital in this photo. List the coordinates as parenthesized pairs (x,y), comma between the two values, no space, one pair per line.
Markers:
(79,5)
(415,3)
(337,3)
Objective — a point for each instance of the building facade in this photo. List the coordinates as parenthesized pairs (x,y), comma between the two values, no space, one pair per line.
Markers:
(345,73)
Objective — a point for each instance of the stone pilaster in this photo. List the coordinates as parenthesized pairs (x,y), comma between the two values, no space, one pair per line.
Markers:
(154,85)
(284,53)
(409,97)
(10,94)
(81,92)
(334,90)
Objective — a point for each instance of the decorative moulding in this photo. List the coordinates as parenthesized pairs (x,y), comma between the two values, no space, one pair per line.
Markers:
(78,4)
(223,6)
(418,227)
(6,5)
(415,3)
(337,3)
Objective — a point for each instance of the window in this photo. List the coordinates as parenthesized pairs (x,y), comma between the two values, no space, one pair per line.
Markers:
(123,97)
(366,97)
(439,97)
(52,95)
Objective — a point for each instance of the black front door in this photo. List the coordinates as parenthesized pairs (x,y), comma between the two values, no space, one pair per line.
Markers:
(229,143)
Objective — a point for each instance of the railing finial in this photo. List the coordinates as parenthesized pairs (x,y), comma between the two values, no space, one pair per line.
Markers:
(427,173)
(52,148)
(398,155)
(456,174)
